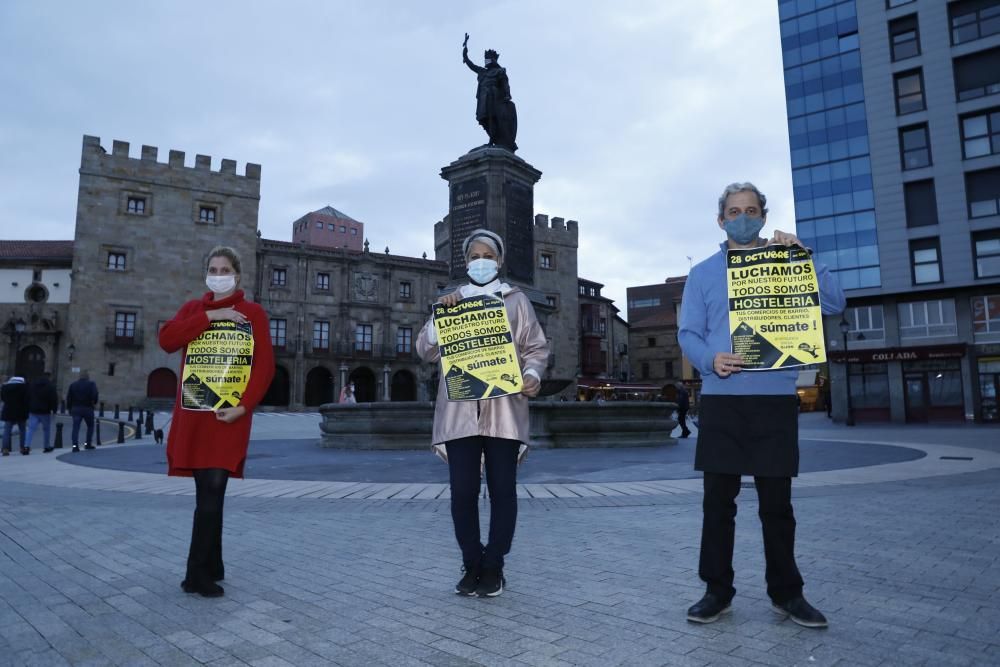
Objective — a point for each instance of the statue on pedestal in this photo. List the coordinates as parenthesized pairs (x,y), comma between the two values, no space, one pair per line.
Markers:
(494,109)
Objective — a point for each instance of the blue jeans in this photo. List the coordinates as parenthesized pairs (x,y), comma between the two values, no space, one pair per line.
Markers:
(85,414)
(8,432)
(34,419)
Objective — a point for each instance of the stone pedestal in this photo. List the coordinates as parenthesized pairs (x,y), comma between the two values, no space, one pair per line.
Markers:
(492,188)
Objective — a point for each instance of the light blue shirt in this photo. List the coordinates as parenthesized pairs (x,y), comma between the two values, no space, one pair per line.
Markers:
(704,329)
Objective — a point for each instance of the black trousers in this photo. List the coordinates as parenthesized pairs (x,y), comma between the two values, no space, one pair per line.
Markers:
(205,553)
(464,457)
(682,422)
(718,533)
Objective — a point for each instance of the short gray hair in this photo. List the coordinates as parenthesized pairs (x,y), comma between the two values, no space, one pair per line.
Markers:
(733,188)
(486,237)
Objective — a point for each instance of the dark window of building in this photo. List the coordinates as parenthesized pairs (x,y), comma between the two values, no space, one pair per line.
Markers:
(909,92)
(981,134)
(321,335)
(323,281)
(279,329)
(643,303)
(319,224)
(363,338)
(925,258)
(136,205)
(583,290)
(404,340)
(405,290)
(651,341)
(986,320)
(987,248)
(668,368)
(972,19)
(331,227)
(550,300)
(915,147)
(343,229)
(982,191)
(921,203)
(545,260)
(593,291)
(644,370)
(207,214)
(36,275)
(111,368)
(116,261)
(602,325)
(904,37)
(124,325)
(977,74)
(354,231)
(279,277)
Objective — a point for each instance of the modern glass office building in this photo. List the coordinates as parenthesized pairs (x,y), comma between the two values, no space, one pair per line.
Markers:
(894,127)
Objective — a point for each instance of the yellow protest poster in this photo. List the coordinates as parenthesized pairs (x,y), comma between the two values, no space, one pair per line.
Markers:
(478,358)
(217,367)
(774,311)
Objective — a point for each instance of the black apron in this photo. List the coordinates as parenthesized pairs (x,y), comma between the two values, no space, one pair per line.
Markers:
(748,435)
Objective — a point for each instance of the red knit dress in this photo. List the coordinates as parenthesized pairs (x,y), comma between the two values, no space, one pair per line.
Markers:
(197,439)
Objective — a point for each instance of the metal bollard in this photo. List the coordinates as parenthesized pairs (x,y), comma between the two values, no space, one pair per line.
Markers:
(149,423)
(97,434)
(117,412)
(59,436)
(121,433)
(139,418)
(101,414)
(138,429)
(130,417)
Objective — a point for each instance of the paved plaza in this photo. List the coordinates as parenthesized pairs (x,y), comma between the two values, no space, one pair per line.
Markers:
(347,558)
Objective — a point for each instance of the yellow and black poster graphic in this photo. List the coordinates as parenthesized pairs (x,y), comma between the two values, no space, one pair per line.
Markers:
(478,358)
(774,312)
(217,367)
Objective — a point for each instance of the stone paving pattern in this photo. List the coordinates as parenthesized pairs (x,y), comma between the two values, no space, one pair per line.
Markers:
(908,571)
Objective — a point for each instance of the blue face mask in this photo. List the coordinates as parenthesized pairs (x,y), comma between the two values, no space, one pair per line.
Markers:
(482,270)
(743,230)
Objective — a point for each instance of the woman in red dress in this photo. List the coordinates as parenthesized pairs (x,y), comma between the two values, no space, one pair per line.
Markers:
(209,432)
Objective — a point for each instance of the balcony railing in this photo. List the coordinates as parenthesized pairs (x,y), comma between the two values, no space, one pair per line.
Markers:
(355,351)
(114,337)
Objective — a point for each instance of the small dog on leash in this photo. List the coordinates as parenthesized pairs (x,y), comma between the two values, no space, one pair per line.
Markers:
(158,436)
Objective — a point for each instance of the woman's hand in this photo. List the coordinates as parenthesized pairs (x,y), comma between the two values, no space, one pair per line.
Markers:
(231,314)
(451,299)
(785,239)
(530,385)
(229,415)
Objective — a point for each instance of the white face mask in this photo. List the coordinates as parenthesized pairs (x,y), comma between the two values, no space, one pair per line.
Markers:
(221,284)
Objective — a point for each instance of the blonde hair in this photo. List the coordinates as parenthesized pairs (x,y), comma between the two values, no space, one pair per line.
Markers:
(228,253)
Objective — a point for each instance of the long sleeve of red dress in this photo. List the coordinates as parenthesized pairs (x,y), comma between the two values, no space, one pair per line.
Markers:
(197,438)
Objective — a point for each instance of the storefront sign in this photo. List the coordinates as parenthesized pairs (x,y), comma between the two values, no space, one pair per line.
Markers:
(883,355)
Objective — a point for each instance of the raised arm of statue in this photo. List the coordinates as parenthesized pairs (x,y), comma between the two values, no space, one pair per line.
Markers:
(465,57)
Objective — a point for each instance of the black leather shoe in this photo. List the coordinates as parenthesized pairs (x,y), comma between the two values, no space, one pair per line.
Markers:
(708,609)
(801,612)
(470,580)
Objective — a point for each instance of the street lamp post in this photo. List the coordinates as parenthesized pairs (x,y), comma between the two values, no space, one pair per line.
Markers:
(844,328)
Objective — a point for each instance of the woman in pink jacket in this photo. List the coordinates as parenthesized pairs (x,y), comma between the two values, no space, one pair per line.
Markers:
(490,429)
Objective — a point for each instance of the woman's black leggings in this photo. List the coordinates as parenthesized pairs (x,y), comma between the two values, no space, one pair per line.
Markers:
(464,457)
(210,489)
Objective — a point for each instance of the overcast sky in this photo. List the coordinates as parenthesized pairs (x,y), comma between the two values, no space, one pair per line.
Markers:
(637,113)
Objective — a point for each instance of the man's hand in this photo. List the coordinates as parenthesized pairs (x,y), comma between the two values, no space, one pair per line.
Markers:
(450,300)
(530,385)
(726,363)
(229,415)
(785,239)
(230,314)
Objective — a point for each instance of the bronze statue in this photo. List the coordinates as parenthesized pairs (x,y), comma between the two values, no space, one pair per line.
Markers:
(494,109)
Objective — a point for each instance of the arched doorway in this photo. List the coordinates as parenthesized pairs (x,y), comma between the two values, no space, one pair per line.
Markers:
(319,387)
(364,384)
(279,391)
(404,387)
(30,362)
(161,383)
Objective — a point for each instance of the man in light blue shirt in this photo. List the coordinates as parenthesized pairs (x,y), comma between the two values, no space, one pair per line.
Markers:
(748,422)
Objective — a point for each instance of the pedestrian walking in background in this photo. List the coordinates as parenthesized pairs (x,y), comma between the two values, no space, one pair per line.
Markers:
(347,394)
(211,445)
(81,398)
(14,394)
(486,430)
(683,405)
(747,422)
(43,401)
